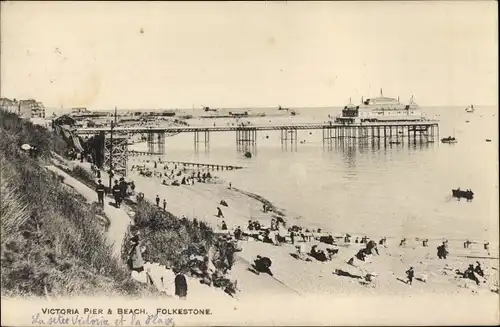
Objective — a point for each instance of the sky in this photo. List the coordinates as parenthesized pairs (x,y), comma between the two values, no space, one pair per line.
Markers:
(242,54)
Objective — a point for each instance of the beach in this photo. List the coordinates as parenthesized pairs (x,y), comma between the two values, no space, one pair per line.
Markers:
(297,277)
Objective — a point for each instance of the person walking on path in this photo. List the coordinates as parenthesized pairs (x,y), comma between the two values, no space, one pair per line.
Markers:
(181,286)
(157,200)
(117,194)
(164,205)
(123,188)
(100,190)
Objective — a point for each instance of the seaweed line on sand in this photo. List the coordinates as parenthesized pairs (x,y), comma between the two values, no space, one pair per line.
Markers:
(271,207)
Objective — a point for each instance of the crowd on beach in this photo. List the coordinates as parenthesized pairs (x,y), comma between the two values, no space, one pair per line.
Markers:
(309,244)
(317,245)
(172,174)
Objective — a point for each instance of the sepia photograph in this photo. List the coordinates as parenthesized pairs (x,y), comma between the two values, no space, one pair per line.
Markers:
(252,163)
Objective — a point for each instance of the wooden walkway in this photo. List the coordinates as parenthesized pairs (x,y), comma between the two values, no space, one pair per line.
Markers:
(186,164)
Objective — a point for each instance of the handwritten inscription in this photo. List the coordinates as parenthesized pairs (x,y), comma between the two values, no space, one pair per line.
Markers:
(93,320)
(78,320)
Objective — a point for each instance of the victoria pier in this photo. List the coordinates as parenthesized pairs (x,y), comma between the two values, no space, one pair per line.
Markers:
(394,132)
(387,133)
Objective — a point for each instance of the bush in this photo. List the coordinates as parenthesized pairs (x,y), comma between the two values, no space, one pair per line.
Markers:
(178,243)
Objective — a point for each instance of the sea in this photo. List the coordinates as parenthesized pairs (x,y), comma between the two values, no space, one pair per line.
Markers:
(399,190)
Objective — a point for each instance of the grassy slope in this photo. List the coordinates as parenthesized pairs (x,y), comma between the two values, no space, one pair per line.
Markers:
(51,243)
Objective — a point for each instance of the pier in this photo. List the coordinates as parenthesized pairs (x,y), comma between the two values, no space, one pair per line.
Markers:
(246,136)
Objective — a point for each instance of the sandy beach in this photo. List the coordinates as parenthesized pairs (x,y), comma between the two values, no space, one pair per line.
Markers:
(296,277)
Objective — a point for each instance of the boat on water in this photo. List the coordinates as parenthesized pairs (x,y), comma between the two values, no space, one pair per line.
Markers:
(488,140)
(470,108)
(380,109)
(291,111)
(248,154)
(458,193)
(395,142)
(449,139)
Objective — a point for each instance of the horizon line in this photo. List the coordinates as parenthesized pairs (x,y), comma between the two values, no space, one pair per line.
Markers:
(242,107)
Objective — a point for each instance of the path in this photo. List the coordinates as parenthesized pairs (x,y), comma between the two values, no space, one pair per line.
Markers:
(119,218)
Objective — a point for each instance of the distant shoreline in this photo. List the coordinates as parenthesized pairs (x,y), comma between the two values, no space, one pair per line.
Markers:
(255,108)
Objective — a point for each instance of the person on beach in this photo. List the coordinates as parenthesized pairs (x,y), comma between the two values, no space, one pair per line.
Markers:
(181,286)
(117,194)
(219,213)
(424,242)
(383,241)
(356,240)
(318,254)
(361,255)
(157,200)
(230,185)
(478,270)
(100,190)
(442,252)
(470,274)
(409,275)
(223,225)
(371,247)
(164,205)
(403,242)
(466,244)
(263,265)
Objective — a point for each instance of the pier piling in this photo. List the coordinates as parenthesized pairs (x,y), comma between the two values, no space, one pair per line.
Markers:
(246,139)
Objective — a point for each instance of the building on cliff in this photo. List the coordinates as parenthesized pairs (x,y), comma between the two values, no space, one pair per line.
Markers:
(23,108)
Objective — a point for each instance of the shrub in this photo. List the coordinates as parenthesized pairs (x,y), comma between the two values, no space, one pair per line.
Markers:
(178,242)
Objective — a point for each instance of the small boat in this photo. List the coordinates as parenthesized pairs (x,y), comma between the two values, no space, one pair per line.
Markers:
(248,154)
(470,108)
(488,140)
(467,121)
(449,139)
(458,193)
(394,142)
